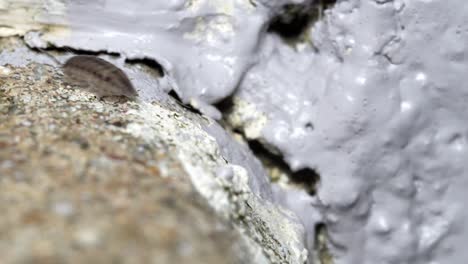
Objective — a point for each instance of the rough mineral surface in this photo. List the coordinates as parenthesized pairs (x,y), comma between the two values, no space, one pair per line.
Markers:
(129,164)
(77,187)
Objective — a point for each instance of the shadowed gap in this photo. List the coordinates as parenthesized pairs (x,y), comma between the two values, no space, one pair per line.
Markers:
(295,20)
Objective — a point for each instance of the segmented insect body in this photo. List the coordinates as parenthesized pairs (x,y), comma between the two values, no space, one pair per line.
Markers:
(98,76)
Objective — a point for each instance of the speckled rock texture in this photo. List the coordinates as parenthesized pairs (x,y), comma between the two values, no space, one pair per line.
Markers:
(76,188)
(132,181)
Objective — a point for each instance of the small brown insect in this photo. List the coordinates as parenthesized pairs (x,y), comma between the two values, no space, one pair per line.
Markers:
(98,76)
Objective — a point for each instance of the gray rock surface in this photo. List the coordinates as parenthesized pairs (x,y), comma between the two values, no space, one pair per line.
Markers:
(76,188)
(111,180)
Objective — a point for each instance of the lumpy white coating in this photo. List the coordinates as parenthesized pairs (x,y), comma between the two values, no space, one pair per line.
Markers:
(384,89)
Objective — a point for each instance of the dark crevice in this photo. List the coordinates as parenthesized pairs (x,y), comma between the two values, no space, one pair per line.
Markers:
(292,22)
(306,178)
(226,105)
(174,95)
(295,20)
(148,62)
(326,4)
(320,245)
(66,49)
(52,52)
(179,101)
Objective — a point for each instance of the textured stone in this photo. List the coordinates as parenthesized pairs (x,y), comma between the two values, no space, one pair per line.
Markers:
(76,188)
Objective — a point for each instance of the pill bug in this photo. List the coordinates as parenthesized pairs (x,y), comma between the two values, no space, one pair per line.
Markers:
(98,76)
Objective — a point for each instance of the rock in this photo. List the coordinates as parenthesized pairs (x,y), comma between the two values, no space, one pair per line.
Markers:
(83,179)
(76,188)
